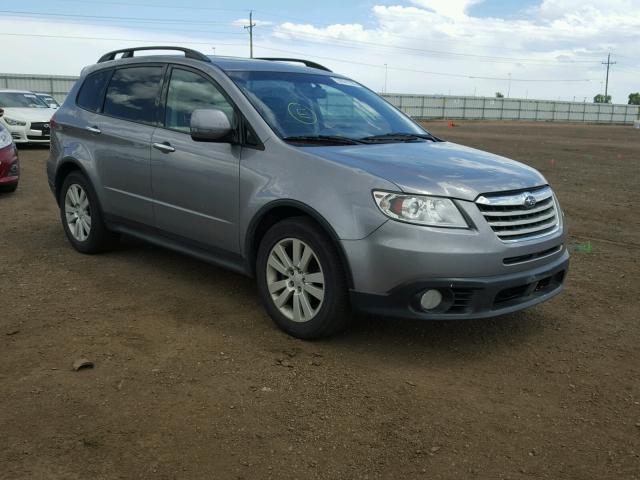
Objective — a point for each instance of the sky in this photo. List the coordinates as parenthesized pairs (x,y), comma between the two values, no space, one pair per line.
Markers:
(546,49)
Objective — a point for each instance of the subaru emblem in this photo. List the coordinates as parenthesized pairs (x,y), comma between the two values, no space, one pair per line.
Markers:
(529,200)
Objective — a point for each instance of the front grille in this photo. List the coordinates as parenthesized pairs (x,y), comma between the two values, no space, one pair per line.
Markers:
(42,126)
(521,215)
(39,137)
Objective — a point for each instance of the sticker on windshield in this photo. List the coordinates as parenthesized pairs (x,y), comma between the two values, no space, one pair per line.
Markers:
(345,81)
(302,114)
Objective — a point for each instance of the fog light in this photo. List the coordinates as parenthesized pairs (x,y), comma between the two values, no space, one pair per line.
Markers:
(430,299)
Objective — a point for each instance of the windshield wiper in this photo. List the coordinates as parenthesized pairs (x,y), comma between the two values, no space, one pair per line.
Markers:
(323,139)
(400,137)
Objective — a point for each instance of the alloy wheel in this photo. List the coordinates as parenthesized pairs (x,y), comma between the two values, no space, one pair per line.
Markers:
(295,279)
(77,212)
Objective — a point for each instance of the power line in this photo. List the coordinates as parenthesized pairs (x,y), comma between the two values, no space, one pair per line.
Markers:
(121,19)
(439,53)
(477,77)
(73,37)
(477,57)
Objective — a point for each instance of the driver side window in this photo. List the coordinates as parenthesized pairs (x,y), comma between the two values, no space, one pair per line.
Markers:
(189,91)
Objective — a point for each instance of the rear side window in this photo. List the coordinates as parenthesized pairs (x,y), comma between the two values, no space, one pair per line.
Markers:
(92,91)
(132,94)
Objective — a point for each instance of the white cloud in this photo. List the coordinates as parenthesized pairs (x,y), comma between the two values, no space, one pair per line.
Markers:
(554,41)
(447,8)
(550,41)
(241,22)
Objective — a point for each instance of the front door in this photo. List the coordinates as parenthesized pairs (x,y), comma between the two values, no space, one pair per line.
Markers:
(195,184)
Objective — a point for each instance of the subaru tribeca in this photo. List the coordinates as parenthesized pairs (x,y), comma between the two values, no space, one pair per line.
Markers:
(329,196)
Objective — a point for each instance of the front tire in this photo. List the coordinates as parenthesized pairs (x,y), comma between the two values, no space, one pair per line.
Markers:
(81,216)
(301,280)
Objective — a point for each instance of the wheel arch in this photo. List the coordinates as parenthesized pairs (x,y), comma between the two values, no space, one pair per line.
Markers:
(67,166)
(278,210)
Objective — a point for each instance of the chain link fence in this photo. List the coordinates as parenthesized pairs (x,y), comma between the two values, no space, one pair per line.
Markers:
(425,107)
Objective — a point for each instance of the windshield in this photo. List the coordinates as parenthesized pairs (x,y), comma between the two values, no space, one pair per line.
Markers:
(308,105)
(20,100)
(49,100)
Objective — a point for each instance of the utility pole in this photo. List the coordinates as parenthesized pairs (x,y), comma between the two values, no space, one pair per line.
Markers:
(509,87)
(608,63)
(250,28)
(386,71)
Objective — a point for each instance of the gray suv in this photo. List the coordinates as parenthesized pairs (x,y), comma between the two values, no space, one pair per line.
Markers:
(329,196)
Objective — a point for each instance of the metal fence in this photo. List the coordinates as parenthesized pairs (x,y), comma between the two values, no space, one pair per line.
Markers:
(426,107)
(422,107)
(56,85)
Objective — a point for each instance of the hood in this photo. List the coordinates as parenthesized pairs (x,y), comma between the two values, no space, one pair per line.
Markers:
(29,114)
(436,168)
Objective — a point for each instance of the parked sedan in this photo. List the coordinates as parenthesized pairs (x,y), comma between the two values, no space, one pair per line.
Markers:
(25,116)
(9,164)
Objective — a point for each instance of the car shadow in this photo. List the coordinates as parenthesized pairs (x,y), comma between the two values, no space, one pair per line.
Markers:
(402,338)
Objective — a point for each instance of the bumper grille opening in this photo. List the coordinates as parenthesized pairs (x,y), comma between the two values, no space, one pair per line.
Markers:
(462,300)
(521,215)
(532,256)
(523,292)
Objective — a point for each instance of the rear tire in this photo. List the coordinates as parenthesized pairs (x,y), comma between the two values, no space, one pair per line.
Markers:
(8,188)
(301,280)
(81,216)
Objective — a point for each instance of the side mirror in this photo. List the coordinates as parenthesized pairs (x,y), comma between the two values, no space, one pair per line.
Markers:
(210,125)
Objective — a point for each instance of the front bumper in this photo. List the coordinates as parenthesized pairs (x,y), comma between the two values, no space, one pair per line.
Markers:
(25,134)
(468,298)
(9,166)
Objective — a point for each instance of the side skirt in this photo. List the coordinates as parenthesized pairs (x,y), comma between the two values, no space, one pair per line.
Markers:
(222,258)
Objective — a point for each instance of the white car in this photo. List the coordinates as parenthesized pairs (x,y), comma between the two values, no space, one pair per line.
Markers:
(25,116)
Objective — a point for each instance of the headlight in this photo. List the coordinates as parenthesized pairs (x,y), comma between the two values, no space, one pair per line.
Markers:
(13,122)
(420,209)
(5,138)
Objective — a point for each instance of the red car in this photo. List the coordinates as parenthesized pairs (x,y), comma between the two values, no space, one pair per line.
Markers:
(9,164)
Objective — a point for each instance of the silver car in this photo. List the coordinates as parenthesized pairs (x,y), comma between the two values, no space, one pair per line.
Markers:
(329,196)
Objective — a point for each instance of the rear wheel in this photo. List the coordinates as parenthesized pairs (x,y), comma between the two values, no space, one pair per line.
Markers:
(8,188)
(301,279)
(81,216)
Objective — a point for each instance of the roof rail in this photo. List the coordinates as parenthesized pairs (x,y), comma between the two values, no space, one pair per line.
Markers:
(128,53)
(307,63)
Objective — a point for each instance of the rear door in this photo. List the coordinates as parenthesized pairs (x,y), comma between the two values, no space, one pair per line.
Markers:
(195,184)
(122,135)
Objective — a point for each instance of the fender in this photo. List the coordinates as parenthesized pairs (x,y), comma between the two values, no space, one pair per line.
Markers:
(250,249)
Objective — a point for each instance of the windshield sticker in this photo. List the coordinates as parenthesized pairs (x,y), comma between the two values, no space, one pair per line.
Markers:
(302,114)
(345,81)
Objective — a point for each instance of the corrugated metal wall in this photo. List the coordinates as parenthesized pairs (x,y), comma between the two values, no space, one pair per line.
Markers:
(418,106)
(488,108)
(55,85)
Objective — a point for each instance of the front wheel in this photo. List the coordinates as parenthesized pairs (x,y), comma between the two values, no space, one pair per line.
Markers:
(301,280)
(81,216)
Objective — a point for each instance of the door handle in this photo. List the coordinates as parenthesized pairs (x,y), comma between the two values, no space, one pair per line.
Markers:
(95,130)
(164,147)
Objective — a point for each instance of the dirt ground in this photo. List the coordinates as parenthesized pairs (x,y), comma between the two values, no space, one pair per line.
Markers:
(193,381)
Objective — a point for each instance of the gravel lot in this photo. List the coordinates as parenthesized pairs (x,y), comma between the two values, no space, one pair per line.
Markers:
(192,380)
